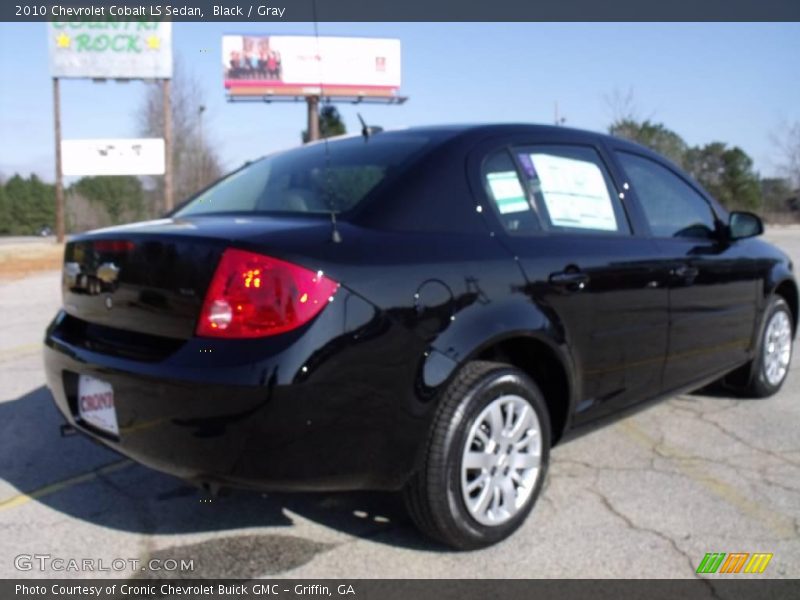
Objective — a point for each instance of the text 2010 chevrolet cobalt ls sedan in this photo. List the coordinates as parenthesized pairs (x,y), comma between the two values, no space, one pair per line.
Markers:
(427,310)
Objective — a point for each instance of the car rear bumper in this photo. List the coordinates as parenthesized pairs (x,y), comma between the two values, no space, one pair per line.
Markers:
(343,418)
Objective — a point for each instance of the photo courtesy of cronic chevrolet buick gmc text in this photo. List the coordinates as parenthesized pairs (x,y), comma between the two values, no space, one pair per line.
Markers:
(426,310)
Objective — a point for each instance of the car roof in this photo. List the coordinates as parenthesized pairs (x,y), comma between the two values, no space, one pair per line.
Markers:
(475,131)
(451,130)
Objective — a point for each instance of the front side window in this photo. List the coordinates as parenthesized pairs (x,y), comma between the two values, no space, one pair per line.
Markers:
(671,206)
(572,189)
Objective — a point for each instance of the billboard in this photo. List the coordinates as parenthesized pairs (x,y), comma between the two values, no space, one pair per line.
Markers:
(143,156)
(113,50)
(288,65)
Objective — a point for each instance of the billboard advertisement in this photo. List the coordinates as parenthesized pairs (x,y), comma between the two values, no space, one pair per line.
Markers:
(143,156)
(110,50)
(306,65)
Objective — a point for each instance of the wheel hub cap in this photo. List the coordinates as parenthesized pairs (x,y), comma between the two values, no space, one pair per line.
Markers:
(501,461)
(777,348)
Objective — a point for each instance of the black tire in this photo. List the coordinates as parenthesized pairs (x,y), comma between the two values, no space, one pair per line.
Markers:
(433,496)
(751,381)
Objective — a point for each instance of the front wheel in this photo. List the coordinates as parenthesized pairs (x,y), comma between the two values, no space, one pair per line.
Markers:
(486,459)
(765,375)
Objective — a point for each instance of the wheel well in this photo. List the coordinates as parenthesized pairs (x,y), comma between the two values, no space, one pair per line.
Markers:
(788,291)
(541,364)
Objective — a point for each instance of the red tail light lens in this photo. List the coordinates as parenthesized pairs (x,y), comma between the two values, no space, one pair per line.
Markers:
(113,246)
(252,295)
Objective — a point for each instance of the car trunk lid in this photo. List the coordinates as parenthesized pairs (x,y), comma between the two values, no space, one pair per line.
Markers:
(152,277)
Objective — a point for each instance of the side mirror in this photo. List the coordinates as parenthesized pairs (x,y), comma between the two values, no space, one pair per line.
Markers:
(744,225)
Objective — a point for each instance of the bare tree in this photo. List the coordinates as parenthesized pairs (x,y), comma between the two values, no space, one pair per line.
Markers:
(621,105)
(788,144)
(195,161)
(82,214)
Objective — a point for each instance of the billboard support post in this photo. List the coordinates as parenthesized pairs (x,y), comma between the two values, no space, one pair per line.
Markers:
(60,228)
(313,118)
(202,147)
(167,101)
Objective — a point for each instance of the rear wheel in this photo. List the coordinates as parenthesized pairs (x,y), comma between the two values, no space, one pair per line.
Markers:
(486,458)
(765,375)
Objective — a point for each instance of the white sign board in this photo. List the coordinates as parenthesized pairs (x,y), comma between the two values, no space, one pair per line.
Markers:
(143,156)
(575,192)
(110,50)
(290,60)
(507,192)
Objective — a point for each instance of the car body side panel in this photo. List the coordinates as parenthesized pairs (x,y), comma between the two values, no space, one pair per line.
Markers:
(712,309)
(616,326)
(715,301)
(777,269)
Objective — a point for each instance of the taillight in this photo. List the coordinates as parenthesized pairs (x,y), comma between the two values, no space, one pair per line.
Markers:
(113,246)
(252,295)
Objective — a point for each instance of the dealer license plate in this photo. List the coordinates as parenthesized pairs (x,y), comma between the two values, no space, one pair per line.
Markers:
(96,404)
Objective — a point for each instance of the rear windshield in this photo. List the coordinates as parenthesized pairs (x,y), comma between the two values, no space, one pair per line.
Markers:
(310,179)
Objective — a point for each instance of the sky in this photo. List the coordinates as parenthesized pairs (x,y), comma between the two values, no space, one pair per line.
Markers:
(733,82)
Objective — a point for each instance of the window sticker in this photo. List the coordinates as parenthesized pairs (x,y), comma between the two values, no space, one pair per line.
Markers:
(575,193)
(507,192)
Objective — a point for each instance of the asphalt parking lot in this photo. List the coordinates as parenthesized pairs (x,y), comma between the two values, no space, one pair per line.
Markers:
(645,497)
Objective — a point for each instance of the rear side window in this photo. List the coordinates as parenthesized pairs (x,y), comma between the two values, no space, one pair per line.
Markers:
(310,179)
(504,188)
(672,207)
(572,189)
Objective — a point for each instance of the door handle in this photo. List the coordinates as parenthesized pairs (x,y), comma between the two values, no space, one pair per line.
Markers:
(571,279)
(686,272)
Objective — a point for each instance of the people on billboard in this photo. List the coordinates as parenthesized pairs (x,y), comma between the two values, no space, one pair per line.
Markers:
(234,66)
(255,60)
(274,65)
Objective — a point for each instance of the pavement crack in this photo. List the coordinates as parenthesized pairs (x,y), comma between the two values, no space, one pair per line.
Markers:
(609,506)
(636,527)
(735,436)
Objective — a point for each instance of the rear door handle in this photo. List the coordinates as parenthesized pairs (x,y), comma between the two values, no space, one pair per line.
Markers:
(572,279)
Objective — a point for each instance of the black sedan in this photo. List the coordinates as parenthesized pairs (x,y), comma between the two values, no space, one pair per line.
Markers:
(427,310)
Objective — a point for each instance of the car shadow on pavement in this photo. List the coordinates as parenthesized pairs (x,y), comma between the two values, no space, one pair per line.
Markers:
(87,481)
(720,390)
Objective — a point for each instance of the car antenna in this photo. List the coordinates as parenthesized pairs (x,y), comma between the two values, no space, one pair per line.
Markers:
(336,237)
(367,130)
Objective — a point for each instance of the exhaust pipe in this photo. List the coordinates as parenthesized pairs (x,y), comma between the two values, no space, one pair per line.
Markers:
(212,489)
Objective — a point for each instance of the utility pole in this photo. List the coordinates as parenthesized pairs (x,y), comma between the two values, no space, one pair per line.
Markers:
(168,200)
(313,118)
(60,228)
(558,120)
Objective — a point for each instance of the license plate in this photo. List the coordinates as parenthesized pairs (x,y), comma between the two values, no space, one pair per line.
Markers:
(96,404)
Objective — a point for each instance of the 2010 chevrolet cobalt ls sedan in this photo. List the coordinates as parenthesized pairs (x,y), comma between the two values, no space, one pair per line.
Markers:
(427,310)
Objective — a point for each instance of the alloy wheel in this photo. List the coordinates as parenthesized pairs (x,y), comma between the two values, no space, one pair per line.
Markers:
(777,348)
(501,461)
